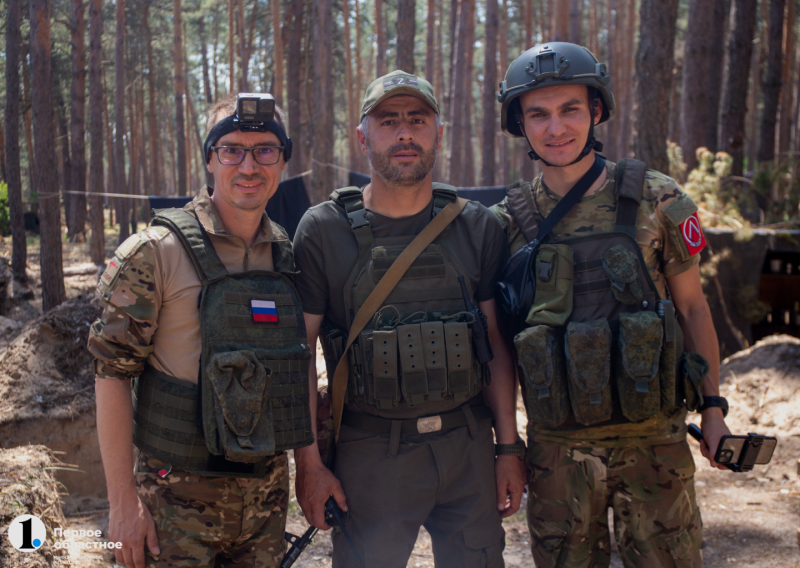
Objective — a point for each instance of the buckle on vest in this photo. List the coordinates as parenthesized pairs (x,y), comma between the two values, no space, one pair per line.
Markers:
(545,270)
(429,424)
(358,218)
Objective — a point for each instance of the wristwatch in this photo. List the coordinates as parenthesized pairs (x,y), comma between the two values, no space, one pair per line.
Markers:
(517,449)
(714,401)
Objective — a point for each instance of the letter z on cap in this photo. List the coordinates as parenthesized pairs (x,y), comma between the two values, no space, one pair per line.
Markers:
(397,83)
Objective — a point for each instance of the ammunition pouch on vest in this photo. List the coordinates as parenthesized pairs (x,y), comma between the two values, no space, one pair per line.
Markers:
(418,348)
(603,347)
(252,397)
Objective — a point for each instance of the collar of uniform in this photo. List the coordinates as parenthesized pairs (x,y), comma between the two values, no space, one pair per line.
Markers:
(539,185)
(209,217)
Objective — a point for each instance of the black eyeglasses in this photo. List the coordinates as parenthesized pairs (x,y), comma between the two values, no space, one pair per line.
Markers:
(234,155)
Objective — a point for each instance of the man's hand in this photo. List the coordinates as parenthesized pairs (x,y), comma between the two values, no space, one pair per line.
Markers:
(314,484)
(509,472)
(714,428)
(130,523)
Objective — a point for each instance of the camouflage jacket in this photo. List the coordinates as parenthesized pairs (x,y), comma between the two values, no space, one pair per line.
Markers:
(665,256)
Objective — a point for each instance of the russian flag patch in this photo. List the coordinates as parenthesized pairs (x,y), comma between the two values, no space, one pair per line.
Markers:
(264,311)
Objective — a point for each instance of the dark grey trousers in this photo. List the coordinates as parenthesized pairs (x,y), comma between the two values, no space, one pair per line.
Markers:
(442,481)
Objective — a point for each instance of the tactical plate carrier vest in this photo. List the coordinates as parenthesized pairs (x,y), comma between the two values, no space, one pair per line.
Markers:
(418,348)
(602,347)
(252,397)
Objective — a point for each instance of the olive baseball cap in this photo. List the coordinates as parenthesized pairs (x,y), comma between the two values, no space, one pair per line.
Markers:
(397,83)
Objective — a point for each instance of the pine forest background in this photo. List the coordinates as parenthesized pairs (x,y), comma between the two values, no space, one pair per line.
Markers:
(111,97)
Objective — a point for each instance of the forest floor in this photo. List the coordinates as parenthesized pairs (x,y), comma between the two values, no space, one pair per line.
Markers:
(750,519)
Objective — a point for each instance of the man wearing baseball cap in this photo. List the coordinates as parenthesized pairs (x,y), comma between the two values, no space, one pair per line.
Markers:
(415,394)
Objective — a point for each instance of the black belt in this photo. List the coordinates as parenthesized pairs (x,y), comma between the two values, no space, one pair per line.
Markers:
(424,425)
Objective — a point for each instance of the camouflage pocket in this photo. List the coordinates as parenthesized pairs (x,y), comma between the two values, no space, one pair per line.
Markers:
(587,348)
(694,369)
(622,268)
(639,356)
(541,362)
(241,406)
(555,271)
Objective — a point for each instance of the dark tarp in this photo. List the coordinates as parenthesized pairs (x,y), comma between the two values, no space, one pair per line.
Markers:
(286,207)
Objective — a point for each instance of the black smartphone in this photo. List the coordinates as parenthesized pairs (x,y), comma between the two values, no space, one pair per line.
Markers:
(757,450)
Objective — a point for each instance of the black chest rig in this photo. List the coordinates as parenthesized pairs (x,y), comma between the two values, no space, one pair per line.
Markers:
(252,398)
(600,346)
(418,347)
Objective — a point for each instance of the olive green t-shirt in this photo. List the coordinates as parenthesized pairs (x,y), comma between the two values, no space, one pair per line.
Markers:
(665,256)
(326,252)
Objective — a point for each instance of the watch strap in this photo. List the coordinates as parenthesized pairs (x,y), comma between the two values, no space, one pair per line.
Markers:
(517,449)
(714,402)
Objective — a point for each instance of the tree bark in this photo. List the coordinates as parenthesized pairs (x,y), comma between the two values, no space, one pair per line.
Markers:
(19,251)
(177,61)
(695,91)
(277,52)
(231,50)
(26,117)
(654,62)
(201,33)
(53,292)
(460,127)
(561,21)
(593,28)
(294,88)
(380,40)
(123,208)
(734,107)
(504,175)
(785,124)
(772,84)
(62,147)
(406,27)
(78,122)
(492,25)
(625,126)
(350,92)
(321,111)
(153,139)
(576,21)
(430,50)
(722,9)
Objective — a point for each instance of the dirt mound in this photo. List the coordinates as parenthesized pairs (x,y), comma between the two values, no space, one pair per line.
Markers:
(47,394)
(46,372)
(28,488)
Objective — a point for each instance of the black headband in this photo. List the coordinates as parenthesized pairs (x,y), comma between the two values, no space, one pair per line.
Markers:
(228,125)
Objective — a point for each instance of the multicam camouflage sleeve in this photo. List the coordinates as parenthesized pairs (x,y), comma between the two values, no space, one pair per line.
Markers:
(516,239)
(121,339)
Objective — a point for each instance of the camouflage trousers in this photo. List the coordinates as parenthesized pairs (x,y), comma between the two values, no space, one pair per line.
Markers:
(651,490)
(215,521)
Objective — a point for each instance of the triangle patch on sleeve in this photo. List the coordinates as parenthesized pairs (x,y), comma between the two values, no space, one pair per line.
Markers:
(264,311)
(692,234)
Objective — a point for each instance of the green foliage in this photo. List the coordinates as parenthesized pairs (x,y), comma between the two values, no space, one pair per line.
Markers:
(5,217)
(778,193)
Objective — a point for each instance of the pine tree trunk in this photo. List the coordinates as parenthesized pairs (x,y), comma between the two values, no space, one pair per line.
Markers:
(406,27)
(53,292)
(231,50)
(492,25)
(459,115)
(654,62)
(62,147)
(561,21)
(504,175)
(201,33)
(321,111)
(78,121)
(576,21)
(785,124)
(277,52)
(96,104)
(528,18)
(609,135)
(19,251)
(430,50)
(734,107)
(722,10)
(123,207)
(627,59)
(593,28)
(294,88)
(352,116)
(177,61)
(26,84)
(772,84)
(380,40)
(153,138)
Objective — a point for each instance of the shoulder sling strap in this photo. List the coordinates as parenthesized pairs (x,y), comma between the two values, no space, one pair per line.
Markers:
(629,187)
(379,295)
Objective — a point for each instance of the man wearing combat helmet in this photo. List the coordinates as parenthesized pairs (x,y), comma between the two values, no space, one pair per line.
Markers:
(202,317)
(617,342)
(414,390)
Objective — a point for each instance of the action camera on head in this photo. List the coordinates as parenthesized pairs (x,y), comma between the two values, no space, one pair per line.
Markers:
(253,111)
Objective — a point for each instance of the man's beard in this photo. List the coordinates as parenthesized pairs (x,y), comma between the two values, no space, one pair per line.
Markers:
(381,164)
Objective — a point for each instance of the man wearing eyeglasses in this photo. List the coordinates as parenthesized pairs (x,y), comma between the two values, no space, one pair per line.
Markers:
(202,317)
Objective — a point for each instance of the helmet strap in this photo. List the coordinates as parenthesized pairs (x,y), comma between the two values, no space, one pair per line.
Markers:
(591,142)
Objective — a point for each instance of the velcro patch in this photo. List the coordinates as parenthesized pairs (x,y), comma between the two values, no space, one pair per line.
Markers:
(264,311)
(692,234)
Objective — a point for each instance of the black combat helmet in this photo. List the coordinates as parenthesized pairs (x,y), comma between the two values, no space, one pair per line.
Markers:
(547,65)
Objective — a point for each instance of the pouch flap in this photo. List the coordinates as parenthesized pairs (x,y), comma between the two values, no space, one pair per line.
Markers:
(535,347)
(588,352)
(640,336)
(239,381)
(621,265)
